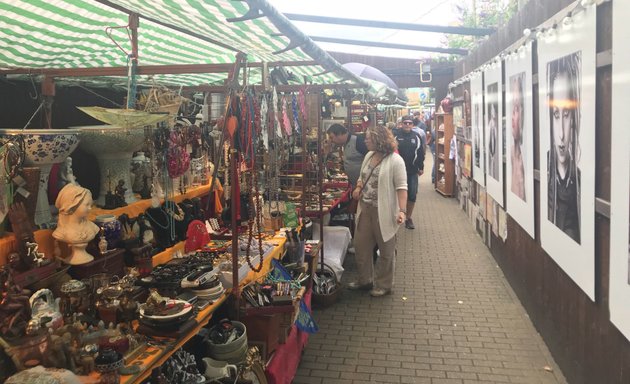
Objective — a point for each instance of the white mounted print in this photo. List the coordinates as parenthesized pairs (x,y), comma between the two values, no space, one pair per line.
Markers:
(476,91)
(566,65)
(519,172)
(494,131)
(619,286)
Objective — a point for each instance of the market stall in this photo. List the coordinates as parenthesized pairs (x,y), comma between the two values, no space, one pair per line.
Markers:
(167,176)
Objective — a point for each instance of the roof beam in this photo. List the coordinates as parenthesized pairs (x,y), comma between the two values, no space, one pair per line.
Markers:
(147,69)
(391,25)
(453,51)
(279,88)
(172,26)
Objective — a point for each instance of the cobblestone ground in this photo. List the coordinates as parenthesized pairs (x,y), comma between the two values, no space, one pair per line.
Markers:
(452,317)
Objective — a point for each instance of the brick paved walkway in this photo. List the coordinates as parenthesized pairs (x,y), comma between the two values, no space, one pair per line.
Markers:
(452,318)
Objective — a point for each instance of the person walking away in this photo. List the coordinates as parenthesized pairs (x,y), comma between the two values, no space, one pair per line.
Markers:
(419,127)
(411,149)
(382,194)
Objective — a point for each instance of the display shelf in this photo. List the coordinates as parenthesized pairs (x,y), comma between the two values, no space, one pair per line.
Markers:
(134,209)
(444,182)
(167,347)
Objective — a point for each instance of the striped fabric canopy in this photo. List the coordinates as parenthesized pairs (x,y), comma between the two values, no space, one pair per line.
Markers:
(56,34)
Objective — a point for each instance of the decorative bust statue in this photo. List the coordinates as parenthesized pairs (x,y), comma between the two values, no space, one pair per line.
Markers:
(73,227)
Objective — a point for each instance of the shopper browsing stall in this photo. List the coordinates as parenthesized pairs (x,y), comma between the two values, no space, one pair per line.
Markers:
(411,149)
(354,150)
(382,194)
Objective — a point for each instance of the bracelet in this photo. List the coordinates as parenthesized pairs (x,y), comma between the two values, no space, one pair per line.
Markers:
(403,211)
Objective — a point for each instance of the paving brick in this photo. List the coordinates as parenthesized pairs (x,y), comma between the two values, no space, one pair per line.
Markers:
(460,323)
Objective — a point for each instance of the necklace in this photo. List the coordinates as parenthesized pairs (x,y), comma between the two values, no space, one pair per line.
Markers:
(154,220)
(254,213)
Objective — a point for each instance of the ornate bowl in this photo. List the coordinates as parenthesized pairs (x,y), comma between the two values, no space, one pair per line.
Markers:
(43,148)
(113,148)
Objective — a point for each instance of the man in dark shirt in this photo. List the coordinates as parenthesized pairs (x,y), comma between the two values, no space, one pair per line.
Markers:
(411,149)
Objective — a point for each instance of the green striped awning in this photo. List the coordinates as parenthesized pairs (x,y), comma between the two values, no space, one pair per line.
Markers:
(61,34)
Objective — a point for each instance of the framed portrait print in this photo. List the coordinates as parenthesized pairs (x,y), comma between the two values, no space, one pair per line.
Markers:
(566,64)
(493,135)
(619,285)
(519,138)
(476,90)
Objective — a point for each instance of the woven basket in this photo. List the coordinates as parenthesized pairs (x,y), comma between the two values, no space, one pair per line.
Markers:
(320,300)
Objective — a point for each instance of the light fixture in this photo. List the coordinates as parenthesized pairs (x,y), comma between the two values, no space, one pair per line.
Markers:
(527,32)
(566,22)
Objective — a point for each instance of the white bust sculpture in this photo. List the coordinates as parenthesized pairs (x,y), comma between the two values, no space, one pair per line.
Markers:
(73,227)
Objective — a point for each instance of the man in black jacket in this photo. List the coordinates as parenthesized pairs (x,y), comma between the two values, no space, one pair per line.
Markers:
(411,149)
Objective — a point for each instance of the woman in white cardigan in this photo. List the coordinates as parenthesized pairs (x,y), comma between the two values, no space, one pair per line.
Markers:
(382,195)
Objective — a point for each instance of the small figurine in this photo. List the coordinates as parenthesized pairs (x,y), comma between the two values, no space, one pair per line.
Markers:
(66,175)
(102,243)
(120,193)
(145,192)
(37,258)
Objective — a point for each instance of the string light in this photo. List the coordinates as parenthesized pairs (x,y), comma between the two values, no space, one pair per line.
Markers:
(567,21)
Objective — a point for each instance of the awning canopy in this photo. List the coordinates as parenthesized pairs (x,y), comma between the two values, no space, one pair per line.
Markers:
(40,35)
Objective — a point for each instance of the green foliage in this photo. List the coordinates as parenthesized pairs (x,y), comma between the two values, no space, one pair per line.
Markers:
(482,14)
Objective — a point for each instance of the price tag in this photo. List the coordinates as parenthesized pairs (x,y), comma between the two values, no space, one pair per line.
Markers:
(19,181)
(22,191)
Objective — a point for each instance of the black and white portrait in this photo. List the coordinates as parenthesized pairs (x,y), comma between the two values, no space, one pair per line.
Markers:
(478,143)
(563,173)
(492,119)
(619,284)
(567,131)
(494,127)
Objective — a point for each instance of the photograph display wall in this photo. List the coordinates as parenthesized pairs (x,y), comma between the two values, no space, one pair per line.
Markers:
(519,157)
(476,90)
(619,293)
(566,64)
(494,132)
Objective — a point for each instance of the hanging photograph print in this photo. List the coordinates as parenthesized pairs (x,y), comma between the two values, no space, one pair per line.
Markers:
(619,285)
(494,132)
(566,63)
(519,171)
(476,90)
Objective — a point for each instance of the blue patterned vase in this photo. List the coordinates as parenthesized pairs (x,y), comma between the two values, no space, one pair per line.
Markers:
(112,229)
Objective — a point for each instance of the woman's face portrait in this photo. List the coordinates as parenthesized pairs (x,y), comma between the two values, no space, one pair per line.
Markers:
(562,112)
(517,109)
(492,123)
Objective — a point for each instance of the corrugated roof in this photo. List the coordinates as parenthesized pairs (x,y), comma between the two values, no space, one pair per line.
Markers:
(55,34)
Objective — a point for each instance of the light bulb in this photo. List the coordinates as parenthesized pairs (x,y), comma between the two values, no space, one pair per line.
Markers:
(527,32)
(566,22)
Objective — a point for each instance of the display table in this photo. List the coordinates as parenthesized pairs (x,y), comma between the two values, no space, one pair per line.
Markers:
(283,364)
(159,354)
(329,204)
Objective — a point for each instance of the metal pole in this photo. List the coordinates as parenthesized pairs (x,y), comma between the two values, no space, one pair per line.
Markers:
(134,21)
(307,45)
